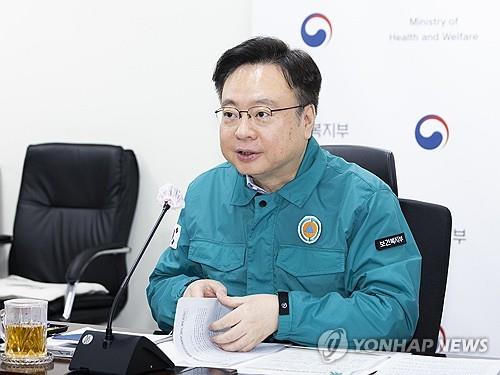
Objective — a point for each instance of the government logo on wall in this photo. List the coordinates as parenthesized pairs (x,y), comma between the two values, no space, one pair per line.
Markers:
(432,132)
(316,30)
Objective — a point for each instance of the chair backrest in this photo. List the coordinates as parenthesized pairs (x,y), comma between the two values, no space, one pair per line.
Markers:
(73,197)
(378,161)
(430,225)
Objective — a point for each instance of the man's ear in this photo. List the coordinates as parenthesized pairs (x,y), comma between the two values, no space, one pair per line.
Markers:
(309,117)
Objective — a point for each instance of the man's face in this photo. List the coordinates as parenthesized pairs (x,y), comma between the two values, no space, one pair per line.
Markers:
(270,153)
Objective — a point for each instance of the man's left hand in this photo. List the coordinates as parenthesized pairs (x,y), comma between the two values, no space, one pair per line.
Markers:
(254,318)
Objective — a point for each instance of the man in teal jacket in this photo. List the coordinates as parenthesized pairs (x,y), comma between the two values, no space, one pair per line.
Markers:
(297,241)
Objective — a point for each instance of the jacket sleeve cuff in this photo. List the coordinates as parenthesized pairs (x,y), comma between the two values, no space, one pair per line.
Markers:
(180,288)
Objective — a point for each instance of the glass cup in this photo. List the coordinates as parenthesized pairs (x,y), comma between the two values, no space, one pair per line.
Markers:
(24,329)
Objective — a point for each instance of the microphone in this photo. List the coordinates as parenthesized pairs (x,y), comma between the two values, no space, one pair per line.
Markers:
(109,353)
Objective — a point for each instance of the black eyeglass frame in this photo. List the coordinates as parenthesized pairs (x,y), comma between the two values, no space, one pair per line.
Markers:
(259,106)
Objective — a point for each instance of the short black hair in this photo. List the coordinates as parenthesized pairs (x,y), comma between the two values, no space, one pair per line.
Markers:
(299,69)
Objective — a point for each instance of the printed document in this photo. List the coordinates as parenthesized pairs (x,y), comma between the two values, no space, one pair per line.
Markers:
(192,345)
(418,364)
(300,361)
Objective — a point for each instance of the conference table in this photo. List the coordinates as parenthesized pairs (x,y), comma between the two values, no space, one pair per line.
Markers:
(61,365)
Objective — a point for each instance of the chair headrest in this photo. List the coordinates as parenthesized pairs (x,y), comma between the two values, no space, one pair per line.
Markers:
(72,175)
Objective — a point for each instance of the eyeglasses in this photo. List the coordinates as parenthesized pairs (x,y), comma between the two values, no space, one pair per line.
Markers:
(260,115)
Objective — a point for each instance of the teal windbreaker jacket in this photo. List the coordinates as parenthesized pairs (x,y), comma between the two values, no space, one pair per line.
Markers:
(334,238)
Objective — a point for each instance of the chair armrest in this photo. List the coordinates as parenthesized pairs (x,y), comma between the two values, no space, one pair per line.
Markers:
(5,238)
(77,267)
(83,259)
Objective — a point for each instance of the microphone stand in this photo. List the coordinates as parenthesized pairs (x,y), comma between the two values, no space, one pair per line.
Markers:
(108,353)
(123,286)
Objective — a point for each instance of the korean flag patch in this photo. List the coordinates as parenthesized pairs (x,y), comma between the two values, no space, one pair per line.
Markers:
(175,236)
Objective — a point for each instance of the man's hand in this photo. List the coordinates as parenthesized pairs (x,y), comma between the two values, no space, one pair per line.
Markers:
(205,288)
(253,319)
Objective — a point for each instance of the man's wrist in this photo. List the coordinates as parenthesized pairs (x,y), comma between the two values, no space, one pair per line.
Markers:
(186,285)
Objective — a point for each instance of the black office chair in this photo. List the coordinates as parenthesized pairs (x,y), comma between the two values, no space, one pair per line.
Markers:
(430,225)
(72,223)
(376,160)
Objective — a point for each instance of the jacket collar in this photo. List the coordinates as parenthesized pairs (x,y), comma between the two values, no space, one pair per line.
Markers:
(296,191)
(242,194)
(308,176)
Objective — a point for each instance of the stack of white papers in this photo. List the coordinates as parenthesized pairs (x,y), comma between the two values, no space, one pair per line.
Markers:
(417,365)
(192,347)
(297,361)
